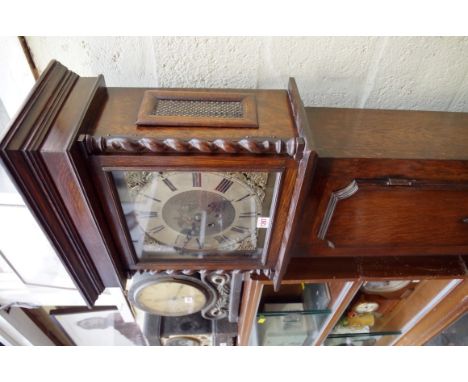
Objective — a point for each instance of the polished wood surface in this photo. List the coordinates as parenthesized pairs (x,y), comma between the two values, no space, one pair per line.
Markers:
(307,161)
(120,112)
(251,296)
(310,269)
(392,134)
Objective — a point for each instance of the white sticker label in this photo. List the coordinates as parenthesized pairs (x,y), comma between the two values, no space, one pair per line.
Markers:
(263,222)
(188,300)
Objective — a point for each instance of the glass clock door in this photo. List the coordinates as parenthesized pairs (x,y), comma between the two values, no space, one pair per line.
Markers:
(194,214)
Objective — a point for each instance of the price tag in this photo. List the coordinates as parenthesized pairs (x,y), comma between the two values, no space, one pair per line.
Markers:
(263,222)
(261,320)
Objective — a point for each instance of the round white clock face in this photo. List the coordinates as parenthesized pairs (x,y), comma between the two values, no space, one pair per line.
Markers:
(171,298)
(384,286)
(366,307)
(182,341)
(197,211)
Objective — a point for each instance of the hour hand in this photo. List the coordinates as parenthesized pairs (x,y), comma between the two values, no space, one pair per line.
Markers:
(200,244)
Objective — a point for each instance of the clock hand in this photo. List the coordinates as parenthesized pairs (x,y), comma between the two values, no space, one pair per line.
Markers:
(201,242)
(188,237)
(178,291)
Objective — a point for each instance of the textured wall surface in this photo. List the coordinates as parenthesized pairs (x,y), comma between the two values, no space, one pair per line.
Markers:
(422,73)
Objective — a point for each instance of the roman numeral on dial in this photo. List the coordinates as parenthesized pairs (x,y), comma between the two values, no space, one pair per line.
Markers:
(248,214)
(196,179)
(157,229)
(169,184)
(239,229)
(150,197)
(221,239)
(147,214)
(224,185)
(244,197)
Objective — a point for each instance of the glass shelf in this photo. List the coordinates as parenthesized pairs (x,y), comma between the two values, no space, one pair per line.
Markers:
(359,339)
(376,313)
(289,328)
(289,312)
(289,323)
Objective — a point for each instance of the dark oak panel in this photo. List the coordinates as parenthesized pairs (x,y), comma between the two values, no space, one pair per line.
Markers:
(42,159)
(364,207)
(307,161)
(120,114)
(309,269)
(392,134)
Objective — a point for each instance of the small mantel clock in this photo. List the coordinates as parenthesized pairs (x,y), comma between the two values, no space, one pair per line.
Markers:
(124,180)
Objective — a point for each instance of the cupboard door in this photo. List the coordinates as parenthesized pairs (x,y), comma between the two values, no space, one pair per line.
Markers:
(394,216)
(385,207)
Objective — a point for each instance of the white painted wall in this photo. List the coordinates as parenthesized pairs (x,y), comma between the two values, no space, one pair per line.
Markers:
(16,79)
(422,73)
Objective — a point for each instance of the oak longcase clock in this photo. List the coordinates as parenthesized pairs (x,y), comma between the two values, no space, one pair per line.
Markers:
(131,179)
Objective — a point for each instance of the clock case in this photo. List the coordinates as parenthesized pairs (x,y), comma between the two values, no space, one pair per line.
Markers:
(221,289)
(71,131)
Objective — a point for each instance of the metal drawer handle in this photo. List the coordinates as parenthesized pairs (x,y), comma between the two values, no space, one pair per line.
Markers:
(465,220)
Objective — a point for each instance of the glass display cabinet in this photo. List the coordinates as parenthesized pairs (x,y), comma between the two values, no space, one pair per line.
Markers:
(357,307)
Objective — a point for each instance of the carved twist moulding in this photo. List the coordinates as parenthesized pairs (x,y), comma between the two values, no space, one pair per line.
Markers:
(127,179)
(135,146)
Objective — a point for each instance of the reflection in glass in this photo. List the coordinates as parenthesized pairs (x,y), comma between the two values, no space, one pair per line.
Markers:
(455,335)
(28,252)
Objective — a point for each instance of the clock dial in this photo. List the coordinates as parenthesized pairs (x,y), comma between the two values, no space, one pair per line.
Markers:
(366,307)
(384,286)
(182,341)
(196,213)
(171,298)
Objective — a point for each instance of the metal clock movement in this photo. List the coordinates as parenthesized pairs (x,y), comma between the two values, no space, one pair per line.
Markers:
(184,181)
